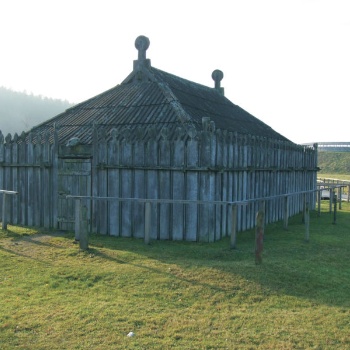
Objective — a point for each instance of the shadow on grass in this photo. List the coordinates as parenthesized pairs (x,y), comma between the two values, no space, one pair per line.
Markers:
(22,243)
(318,271)
(159,271)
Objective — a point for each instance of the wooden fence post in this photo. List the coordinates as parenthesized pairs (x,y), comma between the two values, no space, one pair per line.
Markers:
(262,207)
(147,222)
(335,209)
(340,197)
(259,236)
(304,208)
(307,222)
(233,226)
(77,219)
(330,199)
(4,216)
(286,212)
(83,237)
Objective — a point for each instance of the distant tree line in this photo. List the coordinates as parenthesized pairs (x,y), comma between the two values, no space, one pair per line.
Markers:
(20,111)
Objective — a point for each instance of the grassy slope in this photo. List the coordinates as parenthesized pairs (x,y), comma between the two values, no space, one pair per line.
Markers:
(178,295)
(334,163)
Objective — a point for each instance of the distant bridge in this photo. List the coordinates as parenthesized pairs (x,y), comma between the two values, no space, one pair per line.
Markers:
(331,146)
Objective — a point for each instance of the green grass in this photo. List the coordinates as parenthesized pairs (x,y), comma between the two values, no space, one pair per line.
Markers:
(178,295)
(343,177)
(334,162)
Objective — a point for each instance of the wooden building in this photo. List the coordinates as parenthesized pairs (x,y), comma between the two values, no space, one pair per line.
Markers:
(154,136)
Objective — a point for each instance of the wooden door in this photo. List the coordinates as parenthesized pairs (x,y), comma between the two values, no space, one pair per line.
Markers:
(74,178)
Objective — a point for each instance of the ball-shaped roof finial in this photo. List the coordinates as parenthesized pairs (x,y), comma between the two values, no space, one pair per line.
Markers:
(217,76)
(142,44)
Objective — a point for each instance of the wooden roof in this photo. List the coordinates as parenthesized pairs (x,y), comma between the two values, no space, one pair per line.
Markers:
(150,98)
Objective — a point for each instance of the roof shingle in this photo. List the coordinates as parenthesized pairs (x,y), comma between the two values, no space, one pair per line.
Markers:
(152,97)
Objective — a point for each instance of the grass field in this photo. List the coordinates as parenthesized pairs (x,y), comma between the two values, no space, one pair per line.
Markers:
(178,295)
(344,177)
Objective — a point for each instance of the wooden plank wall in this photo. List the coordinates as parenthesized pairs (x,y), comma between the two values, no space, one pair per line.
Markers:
(27,167)
(208,165)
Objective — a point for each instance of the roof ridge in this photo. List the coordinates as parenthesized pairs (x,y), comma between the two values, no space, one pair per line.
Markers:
(181,114)
(183,79)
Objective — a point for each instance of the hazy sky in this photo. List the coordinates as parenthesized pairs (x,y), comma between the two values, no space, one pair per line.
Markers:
(287,62)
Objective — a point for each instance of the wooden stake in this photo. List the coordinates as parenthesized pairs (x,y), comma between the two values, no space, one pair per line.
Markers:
(147,222)
(233,226)
(77,219)
(4,218)
(307,222)
(259,236)
(83,237)
(335,209)
(286,213)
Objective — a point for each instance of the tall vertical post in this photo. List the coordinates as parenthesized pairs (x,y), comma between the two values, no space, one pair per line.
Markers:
(262,207)
(54,177)
(340,197)
(259,236)
(77,219)
(304,208)
(4,216)
(147,222)
(307,222)
(83,237)
(233,226)
(335,209)
(286,212)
